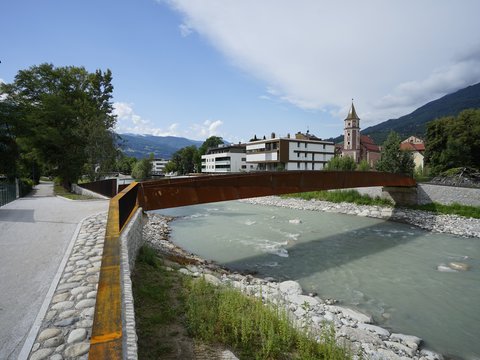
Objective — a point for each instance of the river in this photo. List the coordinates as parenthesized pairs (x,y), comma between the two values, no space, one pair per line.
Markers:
(386,269)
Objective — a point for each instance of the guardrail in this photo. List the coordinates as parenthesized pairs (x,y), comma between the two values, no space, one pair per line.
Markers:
(107,334)
(8,193)
(107,187)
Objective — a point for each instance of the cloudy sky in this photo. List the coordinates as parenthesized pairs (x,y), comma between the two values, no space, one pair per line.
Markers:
(196,68)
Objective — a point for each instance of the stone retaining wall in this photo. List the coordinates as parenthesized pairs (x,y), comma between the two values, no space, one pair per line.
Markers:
(81,191)
(131,240)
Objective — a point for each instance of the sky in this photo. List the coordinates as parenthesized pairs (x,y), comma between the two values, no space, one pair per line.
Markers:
(239,68)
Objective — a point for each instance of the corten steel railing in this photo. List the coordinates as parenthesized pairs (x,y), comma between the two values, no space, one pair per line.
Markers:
(107,187)
(107,337)
(106,340)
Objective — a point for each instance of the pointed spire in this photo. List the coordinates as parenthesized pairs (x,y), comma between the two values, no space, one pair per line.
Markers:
(352,114)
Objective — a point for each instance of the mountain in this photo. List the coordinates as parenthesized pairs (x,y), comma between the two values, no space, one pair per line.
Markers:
(140,146)
(415,122)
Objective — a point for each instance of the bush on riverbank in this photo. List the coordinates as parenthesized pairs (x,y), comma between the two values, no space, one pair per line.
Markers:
(338,196)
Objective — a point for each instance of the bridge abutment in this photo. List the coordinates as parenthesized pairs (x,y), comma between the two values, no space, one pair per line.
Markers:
(401,195)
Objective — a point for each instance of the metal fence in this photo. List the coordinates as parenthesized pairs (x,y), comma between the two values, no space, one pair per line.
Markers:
(8,193)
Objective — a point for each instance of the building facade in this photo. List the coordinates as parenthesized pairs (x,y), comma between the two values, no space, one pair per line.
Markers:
(359,147)
(417,147)
(225,159)
(304,152)
(158,166)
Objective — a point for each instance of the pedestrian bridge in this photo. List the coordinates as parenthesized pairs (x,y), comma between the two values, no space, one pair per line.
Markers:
(169,193)
(109,339)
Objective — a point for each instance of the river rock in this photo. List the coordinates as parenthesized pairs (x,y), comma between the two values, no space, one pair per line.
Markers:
(302,300)
(350,313)
(400,348)
(445,268)
(459,266)
(212,279)
(406,339)
(290,287)
(355,334)
(373,328)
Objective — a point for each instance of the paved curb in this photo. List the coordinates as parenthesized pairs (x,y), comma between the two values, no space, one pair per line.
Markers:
(53,347)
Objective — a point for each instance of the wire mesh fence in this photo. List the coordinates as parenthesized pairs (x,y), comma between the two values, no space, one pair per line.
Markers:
(8,193)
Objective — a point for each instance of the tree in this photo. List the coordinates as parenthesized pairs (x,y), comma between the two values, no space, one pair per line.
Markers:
(125,164)
(182,161)
(345,163)
(142,169)
(453,142)
(363,165)
(393,159)
(68,115)
(211,142)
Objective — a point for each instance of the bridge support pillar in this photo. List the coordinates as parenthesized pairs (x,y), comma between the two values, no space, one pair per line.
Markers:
(401,195)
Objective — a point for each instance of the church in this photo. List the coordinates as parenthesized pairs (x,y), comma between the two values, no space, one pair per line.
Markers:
(359,147)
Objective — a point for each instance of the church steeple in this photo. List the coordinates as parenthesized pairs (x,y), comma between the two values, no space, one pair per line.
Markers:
(352,114)
(351,135)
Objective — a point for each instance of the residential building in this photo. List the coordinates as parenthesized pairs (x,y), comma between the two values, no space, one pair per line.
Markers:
(359,147)
(158,166)
(417,147)
(304,152)
(225,159)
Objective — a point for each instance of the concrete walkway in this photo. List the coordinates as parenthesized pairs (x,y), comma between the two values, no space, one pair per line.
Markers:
(35,232)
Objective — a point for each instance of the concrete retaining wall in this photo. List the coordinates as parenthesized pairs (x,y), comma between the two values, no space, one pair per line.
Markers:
(427,193)
(131,240)
(81,191)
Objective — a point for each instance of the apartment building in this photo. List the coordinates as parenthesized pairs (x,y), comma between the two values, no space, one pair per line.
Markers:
(303,152)
(158,166)
(225,159)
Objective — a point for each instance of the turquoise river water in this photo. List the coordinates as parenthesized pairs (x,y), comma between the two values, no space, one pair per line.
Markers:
(386,269)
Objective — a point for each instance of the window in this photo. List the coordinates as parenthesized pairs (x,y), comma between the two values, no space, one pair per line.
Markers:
(298,165)
(244,159)
(348,124)
(305,145)
(298,144)
(298,154)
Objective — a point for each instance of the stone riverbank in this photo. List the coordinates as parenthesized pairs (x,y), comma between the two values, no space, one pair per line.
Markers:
(353,328)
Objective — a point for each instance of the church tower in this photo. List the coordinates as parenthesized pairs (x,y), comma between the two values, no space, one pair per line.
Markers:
(351,135)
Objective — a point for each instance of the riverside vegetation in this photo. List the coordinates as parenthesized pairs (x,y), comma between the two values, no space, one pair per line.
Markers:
(171,305)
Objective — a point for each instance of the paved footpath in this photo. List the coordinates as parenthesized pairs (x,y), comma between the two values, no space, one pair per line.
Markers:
(35,234)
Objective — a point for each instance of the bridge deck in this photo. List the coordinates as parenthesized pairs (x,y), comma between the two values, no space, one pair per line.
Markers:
(168,193)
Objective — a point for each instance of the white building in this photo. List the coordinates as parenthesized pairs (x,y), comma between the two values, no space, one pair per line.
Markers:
(225,159)
(158,166)
(304,152)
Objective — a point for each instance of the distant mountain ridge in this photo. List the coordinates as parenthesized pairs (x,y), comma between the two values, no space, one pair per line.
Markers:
(415,122)
(141,146)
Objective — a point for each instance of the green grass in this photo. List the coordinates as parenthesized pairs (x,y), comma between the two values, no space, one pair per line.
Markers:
(452,209)
(255,331)
(215,315)
(61,191)
(337,196)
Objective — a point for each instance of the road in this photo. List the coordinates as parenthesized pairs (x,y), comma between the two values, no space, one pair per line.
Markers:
(35,232)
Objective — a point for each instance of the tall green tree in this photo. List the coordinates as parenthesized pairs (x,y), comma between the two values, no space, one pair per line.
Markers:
(183,161)
(393,159)
(68,114)
(211,142)
(453,142)
(142,169)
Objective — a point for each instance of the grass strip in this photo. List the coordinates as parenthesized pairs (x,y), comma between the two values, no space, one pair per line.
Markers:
(167,301)
(338,196)
(452,209)
(254,330)
(61,191)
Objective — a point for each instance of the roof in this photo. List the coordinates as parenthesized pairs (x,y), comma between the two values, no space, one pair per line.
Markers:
(368,143)
(352,114)
(412,147)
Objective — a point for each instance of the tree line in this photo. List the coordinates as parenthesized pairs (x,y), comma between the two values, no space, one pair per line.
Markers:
(57,121)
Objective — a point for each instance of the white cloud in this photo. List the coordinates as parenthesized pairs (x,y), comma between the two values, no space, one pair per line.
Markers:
(130,122)
(389,56)
(185,30)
